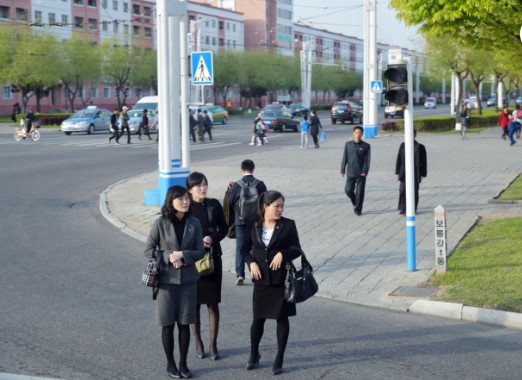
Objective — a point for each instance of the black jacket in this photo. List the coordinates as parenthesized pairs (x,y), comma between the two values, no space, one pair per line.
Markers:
(356,159)
(420,162)
(285,239)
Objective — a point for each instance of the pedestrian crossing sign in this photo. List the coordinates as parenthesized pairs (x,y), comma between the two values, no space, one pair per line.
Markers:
(202,68)
(376,86)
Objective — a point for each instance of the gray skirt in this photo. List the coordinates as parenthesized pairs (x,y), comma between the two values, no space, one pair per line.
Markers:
(176,303)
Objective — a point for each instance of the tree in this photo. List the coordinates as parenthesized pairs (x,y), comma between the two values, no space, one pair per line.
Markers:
(225,73)
(480,66)
(118,63)
(145,69)
(81,65)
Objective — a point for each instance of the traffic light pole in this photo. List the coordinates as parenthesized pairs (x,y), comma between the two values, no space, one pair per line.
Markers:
(410,176)
(370,70)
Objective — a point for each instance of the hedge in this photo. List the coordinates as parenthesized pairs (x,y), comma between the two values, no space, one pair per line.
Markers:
(47,119)
(444,123)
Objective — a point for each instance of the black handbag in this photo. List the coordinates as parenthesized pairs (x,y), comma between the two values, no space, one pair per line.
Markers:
(299,284)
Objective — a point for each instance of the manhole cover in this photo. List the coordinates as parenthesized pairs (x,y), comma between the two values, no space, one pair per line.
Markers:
(84,204)
(414,291)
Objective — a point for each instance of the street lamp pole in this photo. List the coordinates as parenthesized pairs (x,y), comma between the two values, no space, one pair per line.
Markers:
(306,72)
(195,46)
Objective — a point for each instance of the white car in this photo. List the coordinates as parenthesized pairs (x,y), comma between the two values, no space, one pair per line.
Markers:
(135,116)
(430,103)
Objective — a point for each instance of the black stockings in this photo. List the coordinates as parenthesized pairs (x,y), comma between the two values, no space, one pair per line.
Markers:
(167,338)
(256,333)
(213,321)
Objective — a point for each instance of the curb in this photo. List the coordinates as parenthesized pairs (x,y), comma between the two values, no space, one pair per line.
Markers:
(462,312)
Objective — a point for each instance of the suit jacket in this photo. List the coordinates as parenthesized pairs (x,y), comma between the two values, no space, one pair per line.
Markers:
(420,162)
(284,239)
(356,158)
(162,241)
(233,195)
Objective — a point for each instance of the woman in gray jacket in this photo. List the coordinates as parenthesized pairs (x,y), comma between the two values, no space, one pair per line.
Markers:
(177,240)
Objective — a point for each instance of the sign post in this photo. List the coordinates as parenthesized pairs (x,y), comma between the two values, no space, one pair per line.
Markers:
(441,261)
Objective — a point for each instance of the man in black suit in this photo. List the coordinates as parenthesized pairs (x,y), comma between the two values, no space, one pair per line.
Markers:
(247,172)
(420,168)
(355,165)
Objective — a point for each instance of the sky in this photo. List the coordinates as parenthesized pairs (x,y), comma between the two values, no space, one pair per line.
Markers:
(346,17)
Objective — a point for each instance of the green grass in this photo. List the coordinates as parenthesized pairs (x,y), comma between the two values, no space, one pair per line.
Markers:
(486,269)
(514,191)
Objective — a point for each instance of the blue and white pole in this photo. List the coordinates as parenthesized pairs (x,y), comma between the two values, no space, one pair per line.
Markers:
(173,167)
(370,124)
(410,176)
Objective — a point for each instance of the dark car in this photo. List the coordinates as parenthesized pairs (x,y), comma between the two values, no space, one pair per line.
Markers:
(278,118)
(347,111)
(298,109)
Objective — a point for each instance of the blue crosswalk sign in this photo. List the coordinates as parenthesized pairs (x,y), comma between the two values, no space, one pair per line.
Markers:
(202,69)
(376,86)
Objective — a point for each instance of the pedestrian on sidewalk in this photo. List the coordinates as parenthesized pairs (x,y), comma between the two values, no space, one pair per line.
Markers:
(144,125)
(234,195)
(124,125)
(517,115)
(511,129)
(176,239)
(201,125)
(503,121)
(114,125)
(315,127)
(214,227)
(193,123)
(420,170)
(355,165)
(303,126)
(275,242)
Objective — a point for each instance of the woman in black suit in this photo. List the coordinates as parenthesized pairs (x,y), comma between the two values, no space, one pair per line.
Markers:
(176,239)
(212,218)
(274,241)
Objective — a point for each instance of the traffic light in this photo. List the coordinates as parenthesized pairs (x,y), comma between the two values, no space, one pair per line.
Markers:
(397,87)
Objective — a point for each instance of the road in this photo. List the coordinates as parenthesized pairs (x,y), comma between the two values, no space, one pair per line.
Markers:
(73,308)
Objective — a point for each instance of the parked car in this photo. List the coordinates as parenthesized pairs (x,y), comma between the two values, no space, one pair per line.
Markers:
(347,111)
(90,120)
(219,114)
(472,102)
(492,102)
(278,118)
(135,116)
(298,109)
(430,103)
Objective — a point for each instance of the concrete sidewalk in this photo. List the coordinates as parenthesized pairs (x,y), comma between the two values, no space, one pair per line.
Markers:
(360,259)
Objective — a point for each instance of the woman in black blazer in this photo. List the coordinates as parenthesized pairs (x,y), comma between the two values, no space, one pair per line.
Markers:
(274,241)
(214,226)
(176,239)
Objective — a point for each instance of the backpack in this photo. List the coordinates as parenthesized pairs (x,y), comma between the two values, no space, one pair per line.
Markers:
(247,202)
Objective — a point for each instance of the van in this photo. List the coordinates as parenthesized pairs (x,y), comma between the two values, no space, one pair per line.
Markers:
(150,103)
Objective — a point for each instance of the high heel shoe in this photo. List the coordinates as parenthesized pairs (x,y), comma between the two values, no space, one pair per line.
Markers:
(214,355)
(253,363)
(277,371)
(185,372)
(200,354)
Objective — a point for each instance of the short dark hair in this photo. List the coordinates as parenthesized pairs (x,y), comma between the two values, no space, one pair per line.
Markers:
(305,117)
(174,192)
(248,166)
(267,198)
(358,127)
(145,110)
(195,179)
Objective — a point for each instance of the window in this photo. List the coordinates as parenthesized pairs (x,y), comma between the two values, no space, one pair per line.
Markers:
(207,40)
(147,32)
(228,26)
(221,42)
(234,28)
(81,93)
(115,27)
(106,92)
(52,18)
(94,92)
(213,23)
(136,30)
(4,12)
(126,7)
(127,92)
(221,25)
(126,29)
(93,25)
(114,5)
(78,2)
(104,4)
(105,26)
(65,19)
(138,93)
(147,14)
(135,9)
(7,94)
(78,22)
(21,14)
(91,3)
(38,16)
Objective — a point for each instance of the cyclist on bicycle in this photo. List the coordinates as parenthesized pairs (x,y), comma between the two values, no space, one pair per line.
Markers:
(30,119)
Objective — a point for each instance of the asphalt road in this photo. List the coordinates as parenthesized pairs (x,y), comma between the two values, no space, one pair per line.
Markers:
(72,306)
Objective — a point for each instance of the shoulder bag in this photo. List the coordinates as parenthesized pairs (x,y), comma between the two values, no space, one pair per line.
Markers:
(299,284)
(205,266)
(151,274)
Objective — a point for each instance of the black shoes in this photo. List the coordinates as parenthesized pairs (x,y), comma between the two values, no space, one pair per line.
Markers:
(253,363)
(200,354)
(184,372)
(214,355)
(277,371)
(173,372)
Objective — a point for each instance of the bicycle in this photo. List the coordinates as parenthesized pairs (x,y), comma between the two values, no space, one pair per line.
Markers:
(21,133)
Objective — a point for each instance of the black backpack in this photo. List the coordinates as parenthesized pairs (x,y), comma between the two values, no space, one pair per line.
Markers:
(247,202)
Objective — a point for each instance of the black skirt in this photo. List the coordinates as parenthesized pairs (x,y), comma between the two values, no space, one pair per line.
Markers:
(269,302)
(209,287)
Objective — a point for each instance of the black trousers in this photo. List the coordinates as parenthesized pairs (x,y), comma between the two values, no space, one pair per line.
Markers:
(354,189)
(114,133)
(125,127)
(402,196)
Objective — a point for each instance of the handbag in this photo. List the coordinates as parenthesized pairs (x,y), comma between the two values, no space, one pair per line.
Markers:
(205,266)
(322,138)
(299,284)
(151,274)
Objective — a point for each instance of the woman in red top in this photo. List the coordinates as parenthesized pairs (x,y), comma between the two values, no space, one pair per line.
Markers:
(503,121)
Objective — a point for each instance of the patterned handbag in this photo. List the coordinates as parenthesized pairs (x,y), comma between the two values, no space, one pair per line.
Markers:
(151,274)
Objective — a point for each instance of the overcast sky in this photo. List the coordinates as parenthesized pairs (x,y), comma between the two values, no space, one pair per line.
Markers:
(346,17)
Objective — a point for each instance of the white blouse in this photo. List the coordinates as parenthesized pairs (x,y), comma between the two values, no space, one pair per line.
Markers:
(266,235)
